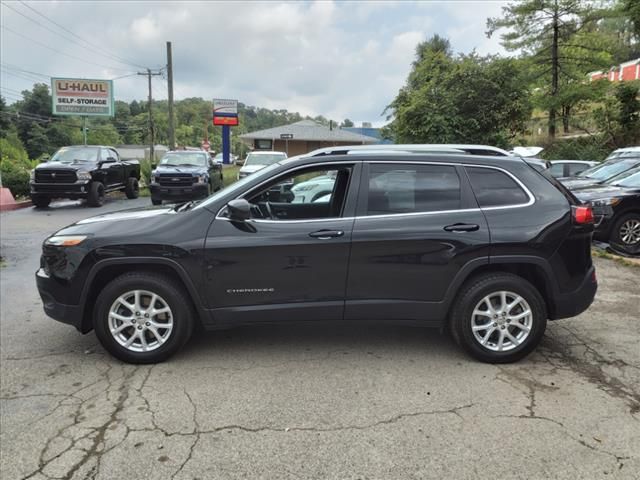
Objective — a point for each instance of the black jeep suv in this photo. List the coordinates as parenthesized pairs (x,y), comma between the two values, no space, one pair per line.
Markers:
(84,171)
(487,247)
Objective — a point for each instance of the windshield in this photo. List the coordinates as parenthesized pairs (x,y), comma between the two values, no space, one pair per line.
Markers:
(177,159)
(237,186)
(630,179)
(587,173)
(263,158)
(76,154)
(613,169)
(627,154)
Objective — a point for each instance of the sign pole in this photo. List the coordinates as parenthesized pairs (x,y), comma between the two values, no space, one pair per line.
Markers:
(226,144)
(84,129)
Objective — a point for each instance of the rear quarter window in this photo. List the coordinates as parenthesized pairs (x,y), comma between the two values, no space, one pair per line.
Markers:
(494,188)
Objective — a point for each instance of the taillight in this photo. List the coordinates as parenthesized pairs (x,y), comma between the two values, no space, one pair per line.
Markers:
(582,215)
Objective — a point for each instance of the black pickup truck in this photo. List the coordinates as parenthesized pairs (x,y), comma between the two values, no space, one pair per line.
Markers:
(84,171)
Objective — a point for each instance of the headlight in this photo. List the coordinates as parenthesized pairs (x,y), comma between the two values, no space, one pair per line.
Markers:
(32,175)
(154,179)
(606,202)
(83,176)
(201,179)
(65,240)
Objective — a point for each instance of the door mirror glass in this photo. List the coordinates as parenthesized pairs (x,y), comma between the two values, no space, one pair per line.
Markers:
(239,209)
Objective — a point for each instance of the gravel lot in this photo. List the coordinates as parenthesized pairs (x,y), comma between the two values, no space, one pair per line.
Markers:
(312,402)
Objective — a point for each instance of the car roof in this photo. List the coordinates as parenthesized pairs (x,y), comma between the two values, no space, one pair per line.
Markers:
(266,152)
(627,149)
(407,148)
(180,152)
(89,146)
(586,162)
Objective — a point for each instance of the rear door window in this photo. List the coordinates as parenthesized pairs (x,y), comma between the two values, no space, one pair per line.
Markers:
(576,168)
(494,188)
(557,169)
(408,188)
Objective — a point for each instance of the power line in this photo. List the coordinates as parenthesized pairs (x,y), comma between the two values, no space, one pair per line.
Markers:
(14,67)
(59,52)
(101,48)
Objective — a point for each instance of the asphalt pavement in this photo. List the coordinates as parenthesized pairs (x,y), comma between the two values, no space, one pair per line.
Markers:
(338,402)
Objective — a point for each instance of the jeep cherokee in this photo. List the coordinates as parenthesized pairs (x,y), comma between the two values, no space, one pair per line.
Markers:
(487,247)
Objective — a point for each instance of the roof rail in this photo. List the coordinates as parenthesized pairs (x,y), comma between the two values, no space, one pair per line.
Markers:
(356,149)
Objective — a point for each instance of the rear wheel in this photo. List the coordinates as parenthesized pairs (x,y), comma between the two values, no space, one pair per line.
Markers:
(626,231)
(498,318)
(96,195)
(143,318)
(132,189)
(41,202)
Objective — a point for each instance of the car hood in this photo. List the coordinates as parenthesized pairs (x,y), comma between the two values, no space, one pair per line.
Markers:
(605,191)
(160,169)
(252,168)
(77,166)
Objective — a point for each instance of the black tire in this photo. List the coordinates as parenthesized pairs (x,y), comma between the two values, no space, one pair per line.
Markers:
(474,291)
(132,190)
(624,222)
(169,291)
(96,194)
(41,202)
(156,201)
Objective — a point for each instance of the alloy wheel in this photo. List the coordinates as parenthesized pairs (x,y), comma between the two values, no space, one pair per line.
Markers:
(140,320)
(630,231)
(501,321)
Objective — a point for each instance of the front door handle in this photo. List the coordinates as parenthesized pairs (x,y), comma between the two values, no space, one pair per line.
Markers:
(326,234)
(462,227)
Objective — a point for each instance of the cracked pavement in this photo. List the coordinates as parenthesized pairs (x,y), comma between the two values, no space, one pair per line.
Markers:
(347,402)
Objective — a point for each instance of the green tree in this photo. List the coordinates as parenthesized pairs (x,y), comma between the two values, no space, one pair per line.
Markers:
(618,115)
(467,99)
(346,123)
(546,31)
(5,122)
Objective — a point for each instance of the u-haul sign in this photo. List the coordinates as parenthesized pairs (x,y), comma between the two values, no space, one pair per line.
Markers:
(225,108)
(76,96)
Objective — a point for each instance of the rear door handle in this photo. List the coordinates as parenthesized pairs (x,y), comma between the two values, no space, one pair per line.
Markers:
(326,234)
(462,227)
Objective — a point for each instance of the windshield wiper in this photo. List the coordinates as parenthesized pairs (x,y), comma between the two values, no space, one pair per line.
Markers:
(183,207)
(168,165)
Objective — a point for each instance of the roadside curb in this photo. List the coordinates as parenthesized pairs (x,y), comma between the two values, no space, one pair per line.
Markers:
(7,207)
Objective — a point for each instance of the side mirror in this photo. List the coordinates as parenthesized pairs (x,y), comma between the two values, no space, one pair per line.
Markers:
(112,159)
(239,209)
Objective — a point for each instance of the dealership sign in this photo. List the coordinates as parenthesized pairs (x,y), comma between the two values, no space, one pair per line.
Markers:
(225,112)
(75,96)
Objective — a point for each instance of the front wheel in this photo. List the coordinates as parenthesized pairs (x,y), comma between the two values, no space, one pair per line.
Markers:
(132,190)
(96,194)
(498,318)
(156,201)
(143,318)
(626,231)
(41,202)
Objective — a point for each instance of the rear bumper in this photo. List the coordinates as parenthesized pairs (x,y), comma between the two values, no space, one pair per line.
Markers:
(69,314)
(197,190)
(574,303)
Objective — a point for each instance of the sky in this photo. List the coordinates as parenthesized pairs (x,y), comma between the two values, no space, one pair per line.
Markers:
(336,59)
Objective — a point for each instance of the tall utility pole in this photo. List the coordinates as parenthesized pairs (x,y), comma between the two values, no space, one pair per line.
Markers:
(172,131)
(152,142)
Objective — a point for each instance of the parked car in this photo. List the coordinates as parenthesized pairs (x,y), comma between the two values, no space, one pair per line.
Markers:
(83,171)
(183,175)
(258,160)
(616,207)
(600,173)
(310,190)
(625,152)
(218,158)
(449,241)
(569,168)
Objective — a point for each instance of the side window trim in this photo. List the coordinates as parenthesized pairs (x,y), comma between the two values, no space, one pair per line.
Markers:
(348,209)
(467,199)
(514,178)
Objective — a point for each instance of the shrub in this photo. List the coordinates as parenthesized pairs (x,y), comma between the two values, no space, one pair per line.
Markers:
(14,166)
(145,172)
(582,148)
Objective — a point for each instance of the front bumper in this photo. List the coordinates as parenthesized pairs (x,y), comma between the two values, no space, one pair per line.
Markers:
(63,190)
(49,291)
(574,303)
(197,190)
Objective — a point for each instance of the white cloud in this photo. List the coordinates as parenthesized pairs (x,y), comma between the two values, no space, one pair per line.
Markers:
(338,59)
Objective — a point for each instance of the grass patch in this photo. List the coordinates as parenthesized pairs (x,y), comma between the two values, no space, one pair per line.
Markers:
(627,262)
(144,192)
(230,174)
